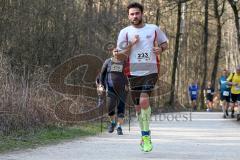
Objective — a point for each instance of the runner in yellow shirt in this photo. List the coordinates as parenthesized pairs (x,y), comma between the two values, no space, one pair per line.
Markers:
(234,81)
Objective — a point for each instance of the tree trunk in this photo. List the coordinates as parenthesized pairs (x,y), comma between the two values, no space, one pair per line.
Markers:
(205,50)
(219,40)
(236,17)
(175,56)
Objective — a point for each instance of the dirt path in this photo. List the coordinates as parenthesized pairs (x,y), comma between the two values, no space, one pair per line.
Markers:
(206,136)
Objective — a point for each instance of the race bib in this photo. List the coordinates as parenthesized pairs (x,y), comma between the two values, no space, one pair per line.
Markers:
(238,88)
(209,91)
(144,57)
(194,93)
(226,93)
(116,68)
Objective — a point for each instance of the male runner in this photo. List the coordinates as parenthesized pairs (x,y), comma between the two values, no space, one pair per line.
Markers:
(142,64)
(193,94)
(113,78)
(225,93)
(234,81)
(209,93)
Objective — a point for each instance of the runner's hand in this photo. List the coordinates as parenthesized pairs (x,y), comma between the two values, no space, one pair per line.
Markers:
(135,40)
(100,89)
(118,55)
(157,50)
(126,88)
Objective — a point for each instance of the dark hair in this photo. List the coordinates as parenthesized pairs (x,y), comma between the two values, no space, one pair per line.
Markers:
(135,5)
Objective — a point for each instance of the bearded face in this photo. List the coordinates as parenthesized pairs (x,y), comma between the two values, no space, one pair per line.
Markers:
(135,16)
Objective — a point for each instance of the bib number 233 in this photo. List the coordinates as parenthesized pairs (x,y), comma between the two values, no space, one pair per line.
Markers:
(143,56)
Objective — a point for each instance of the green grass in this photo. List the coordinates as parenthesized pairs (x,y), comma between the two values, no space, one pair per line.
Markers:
(49,135)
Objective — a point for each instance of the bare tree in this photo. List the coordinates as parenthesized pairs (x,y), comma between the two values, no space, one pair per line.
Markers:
(205,52)
(235,7)
(218,15)
(176,52)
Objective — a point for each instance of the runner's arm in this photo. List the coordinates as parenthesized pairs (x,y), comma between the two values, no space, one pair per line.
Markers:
(123,49)
(219,85)
(162,40)
(103,73)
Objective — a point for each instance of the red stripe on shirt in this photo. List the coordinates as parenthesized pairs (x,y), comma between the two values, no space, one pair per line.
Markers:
(127,64)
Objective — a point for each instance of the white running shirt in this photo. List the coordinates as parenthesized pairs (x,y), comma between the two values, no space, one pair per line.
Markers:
(142,61)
